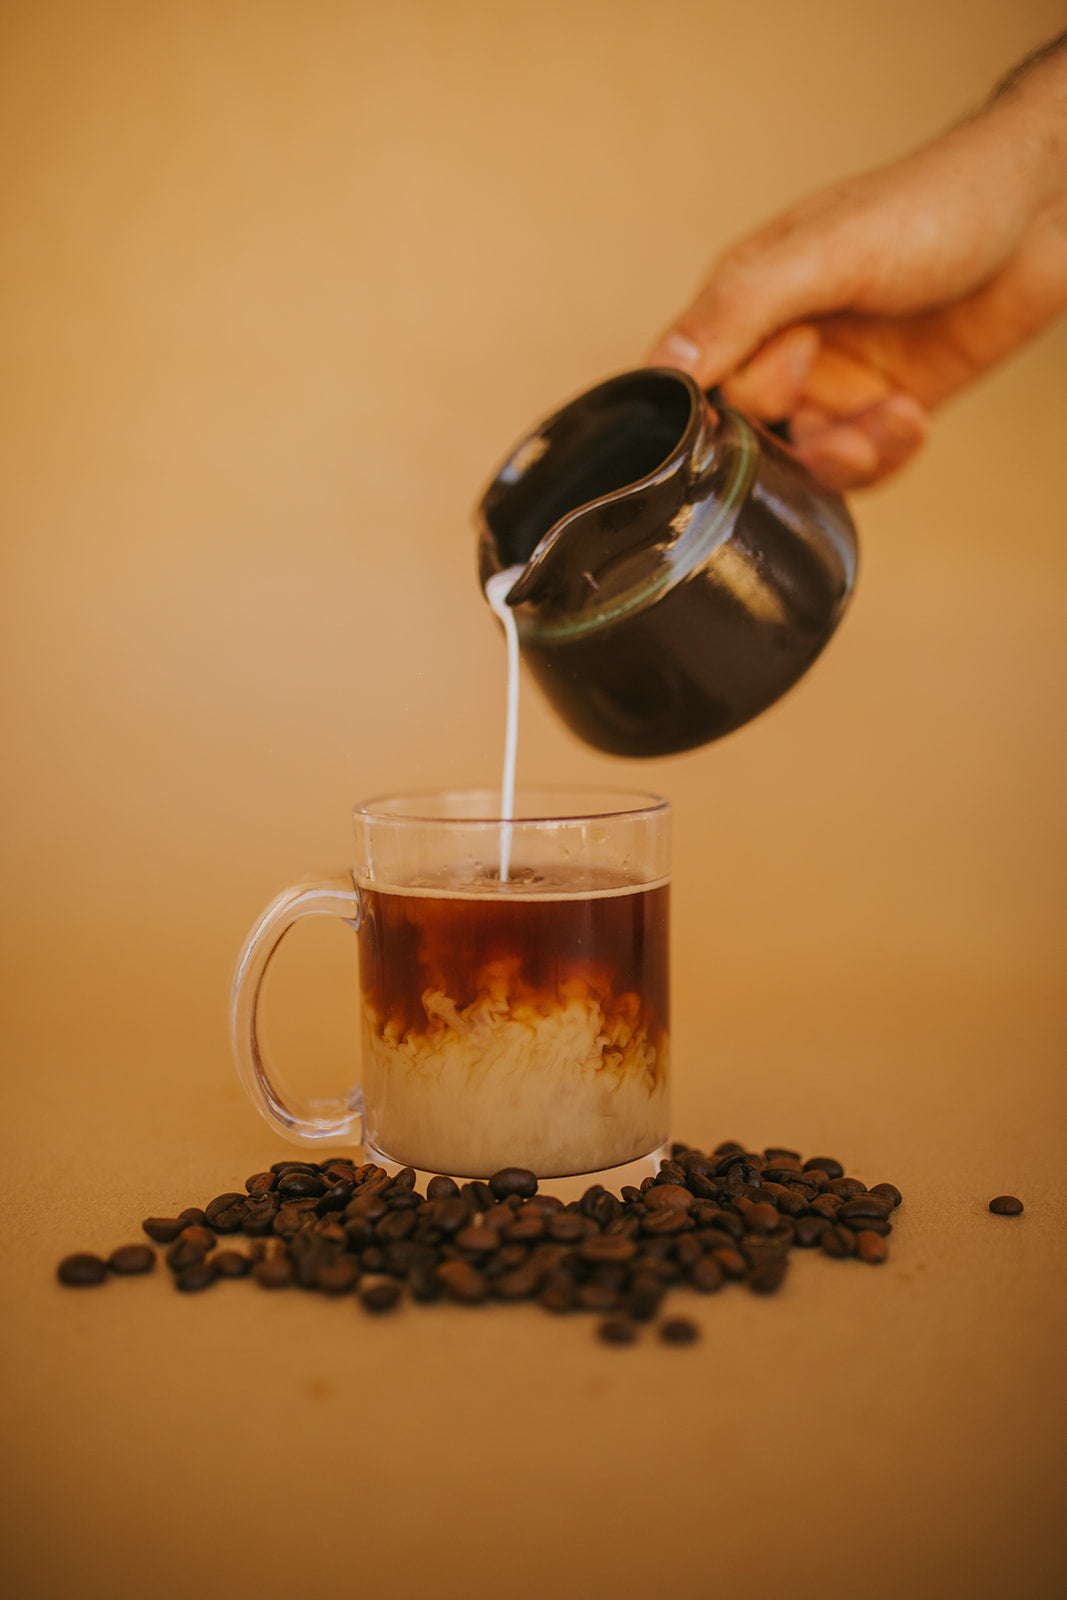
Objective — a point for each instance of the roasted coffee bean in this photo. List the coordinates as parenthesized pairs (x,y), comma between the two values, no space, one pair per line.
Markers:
(290,1218)
(191,1245)
(593,1296)
(259,1216)
(616,1330)
(359,1233)
(740,1173)
(340,1275)
(731,1261)
(274,1272)
(395,1225)
(768,1276)
(163,1229)
(568,1227)
(887,1192)
(776,1156)
(404,1181)
(403,1256)
(665,1221)
(131,1259)
(278,1167)
(367,1207)
(372,1259)
(759,1217)
(442,1188)
(82,1270)
(477,1241)
(226,1212)
(193,1217)
(772,1173)
(513,1180)
(424,1285)
(871,1247)
(687,1250)
(462,1281)
(379,1297)
(451,1214)
(261,1183)
(729,1223)
(838,1241)
(827,1164)
(340,1170)
(607,1248)
(728,1147)
(557,1291)
(703,1188)
(826,1205)
(668,1196)
(1005,1205)
(846,1188)
(525,1230)
(862,1209)
(809,1230)
(706,1275)
(500,1217)
(301,1185)
(230,1264)
(479,1193)
(679,1330)
(521,1284)
(599,1206)
(670,1172)
(330,1229)
(336,1197)
(197,1275)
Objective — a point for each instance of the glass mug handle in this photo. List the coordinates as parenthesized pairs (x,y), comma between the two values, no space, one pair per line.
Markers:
(304,1121)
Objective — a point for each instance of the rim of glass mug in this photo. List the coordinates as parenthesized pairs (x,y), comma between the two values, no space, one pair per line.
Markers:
(581,805)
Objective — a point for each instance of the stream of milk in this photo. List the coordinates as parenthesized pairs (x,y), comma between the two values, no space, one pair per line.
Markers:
(495,591)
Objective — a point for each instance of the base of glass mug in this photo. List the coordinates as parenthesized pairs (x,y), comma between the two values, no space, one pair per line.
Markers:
(569,1187)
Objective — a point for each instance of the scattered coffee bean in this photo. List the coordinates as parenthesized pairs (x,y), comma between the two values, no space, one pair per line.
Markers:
(827,1164)
(82,1270)
(380,1296)
(230,1264)
(871,1247)
(275,1272)
(163,1229)
(441,1188)
(1006,1205)
(513,1180)
(679,1330)
(617,1330)
(198,1275)
(132,1259)
(462,1281)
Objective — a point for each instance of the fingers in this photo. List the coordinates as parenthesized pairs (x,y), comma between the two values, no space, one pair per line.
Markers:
(857,451)
(771,385)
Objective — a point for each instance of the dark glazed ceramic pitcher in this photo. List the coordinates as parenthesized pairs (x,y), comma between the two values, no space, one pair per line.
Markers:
(680,568)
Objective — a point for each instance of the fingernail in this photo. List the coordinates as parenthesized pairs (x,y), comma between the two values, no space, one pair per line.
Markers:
(677,350)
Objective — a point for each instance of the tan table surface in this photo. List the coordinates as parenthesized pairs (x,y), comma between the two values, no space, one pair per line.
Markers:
(282,283)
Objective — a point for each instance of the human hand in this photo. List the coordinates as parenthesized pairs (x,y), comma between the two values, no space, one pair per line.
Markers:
(856,312)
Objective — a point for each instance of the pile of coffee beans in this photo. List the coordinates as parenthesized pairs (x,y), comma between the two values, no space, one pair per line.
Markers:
(704,1221)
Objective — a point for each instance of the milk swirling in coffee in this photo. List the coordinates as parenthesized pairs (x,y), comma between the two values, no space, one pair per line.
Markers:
(522,1023)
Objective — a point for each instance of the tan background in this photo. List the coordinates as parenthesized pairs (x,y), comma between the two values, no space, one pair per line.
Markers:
(282,281)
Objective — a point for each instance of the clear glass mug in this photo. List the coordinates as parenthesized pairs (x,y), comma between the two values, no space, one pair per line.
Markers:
(514,986)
